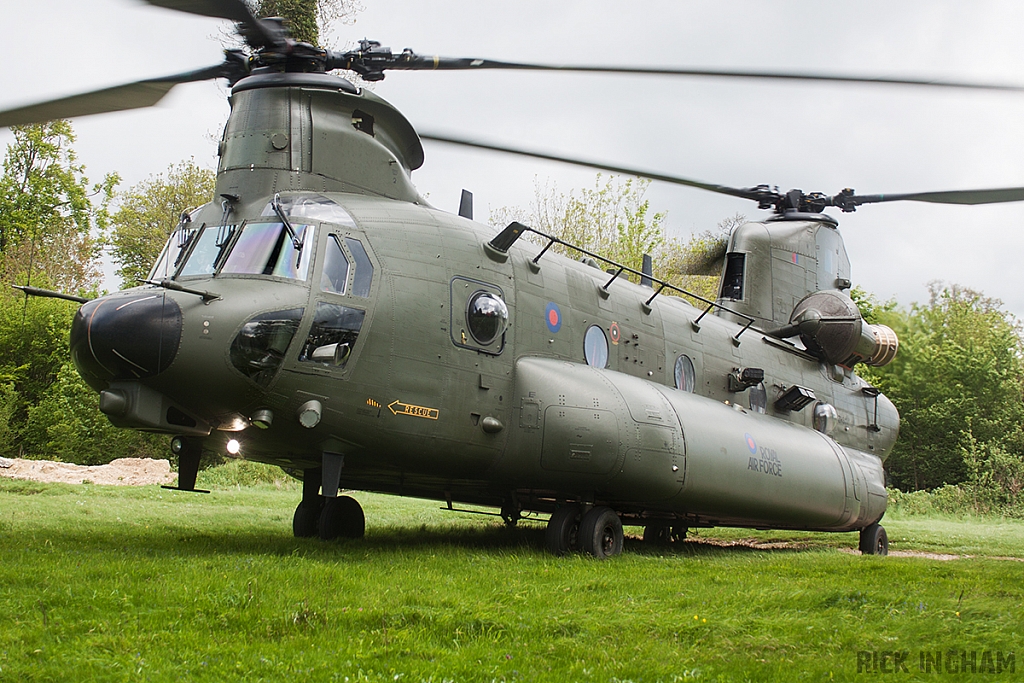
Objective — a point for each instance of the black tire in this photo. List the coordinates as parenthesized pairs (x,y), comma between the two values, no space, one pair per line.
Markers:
(306,521)
(657,534)
(874,540)
(601,533)
(562,534)
(663,534)
(342,517)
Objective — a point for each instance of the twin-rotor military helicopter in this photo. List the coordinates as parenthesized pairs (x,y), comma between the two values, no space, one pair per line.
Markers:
(321,316)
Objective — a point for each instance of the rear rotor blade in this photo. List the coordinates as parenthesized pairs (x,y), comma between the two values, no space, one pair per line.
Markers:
(756,194)
(117,98)
(708,260)
(990,196)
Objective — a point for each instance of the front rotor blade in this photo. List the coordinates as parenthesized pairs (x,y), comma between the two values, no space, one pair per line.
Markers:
(755,194)
(418,62)
(991,196)
(117,98)
(235,10)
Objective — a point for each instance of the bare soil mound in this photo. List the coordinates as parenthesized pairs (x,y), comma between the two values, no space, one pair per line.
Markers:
(121,472)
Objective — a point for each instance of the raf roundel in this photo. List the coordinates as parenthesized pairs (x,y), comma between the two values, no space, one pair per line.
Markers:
(553,317)
(751,444)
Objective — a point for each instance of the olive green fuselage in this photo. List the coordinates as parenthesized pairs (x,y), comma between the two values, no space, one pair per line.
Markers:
(420,407)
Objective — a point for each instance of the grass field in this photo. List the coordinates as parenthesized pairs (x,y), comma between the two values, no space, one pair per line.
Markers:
(125,584)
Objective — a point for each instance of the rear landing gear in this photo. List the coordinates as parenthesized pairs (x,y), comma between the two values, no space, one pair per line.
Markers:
(601,533)
(597,532)
(874,540)
(664,534)
(563,532)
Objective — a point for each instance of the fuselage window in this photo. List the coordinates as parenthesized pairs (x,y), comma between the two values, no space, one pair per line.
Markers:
(336,266)
(595,347)
(758,398)
(825,418)
(486,317)
(333,335)
(259,347)
(364,269)
(686,376)
(268,249)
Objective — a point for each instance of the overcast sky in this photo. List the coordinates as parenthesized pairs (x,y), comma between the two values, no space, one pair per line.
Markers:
(809,136)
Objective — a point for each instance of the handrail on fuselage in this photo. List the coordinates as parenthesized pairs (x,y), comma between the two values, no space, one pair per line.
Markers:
(515,229)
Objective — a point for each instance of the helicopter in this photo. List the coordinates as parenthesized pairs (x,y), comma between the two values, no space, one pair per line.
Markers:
(318,314)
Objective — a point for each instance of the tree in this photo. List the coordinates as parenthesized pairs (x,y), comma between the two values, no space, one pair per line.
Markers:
(958,382)
(306,18)
(696,264)
(67,425)
(614,220)
(48,222)
(611,219)
(150,211)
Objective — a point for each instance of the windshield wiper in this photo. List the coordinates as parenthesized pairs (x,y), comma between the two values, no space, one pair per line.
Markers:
(174,286)
(276,205)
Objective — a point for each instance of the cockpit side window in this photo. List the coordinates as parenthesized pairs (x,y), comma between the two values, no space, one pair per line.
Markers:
(345,259)
(334,278)
(364,269)
(332,336)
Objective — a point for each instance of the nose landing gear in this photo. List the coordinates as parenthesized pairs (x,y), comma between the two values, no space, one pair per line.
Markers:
(326,517)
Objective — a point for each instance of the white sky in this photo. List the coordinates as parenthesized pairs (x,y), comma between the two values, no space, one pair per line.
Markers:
(738,133)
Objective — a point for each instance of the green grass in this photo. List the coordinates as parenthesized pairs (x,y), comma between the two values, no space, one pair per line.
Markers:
(124,584)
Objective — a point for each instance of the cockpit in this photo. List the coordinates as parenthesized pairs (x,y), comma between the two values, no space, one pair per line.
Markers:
(303,238)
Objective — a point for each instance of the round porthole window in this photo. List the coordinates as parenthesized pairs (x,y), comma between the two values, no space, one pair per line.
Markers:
(686,377)
(487,317)
(595,347)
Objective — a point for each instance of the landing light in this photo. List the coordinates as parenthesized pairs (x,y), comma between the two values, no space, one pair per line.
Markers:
(234,447)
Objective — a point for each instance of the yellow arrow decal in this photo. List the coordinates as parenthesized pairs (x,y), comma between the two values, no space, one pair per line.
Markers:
(399,408)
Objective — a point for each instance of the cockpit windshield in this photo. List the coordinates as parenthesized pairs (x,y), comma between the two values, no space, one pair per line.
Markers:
(268,249)
(176,247)
(206,253)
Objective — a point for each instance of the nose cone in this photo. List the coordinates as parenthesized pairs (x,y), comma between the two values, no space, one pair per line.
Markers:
(125,336)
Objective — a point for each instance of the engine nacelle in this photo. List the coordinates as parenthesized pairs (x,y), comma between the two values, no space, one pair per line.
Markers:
(830,326)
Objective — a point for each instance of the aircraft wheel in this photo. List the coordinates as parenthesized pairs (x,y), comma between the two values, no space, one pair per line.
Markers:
(663,534)
(601,533)
(306,521)
(342,517)
(562,534)
(874,540)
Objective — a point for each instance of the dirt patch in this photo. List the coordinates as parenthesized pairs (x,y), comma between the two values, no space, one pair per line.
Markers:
(121,472)
(757,544)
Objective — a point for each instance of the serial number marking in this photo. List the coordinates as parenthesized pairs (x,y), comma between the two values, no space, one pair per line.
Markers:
(399,408)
